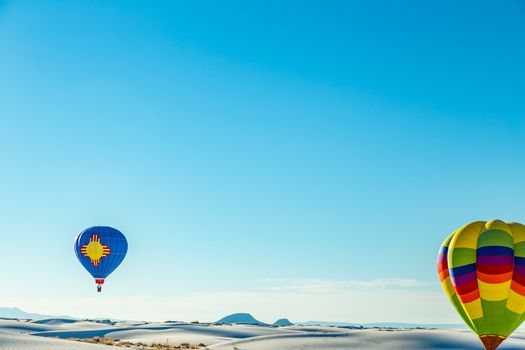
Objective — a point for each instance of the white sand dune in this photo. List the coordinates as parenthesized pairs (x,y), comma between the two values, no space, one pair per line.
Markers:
(173,333)
(18,335)
(72,324)
(10,340)
(197,334)
(369,340)
(317,329)
(56,321)
(53,334)
(24,327)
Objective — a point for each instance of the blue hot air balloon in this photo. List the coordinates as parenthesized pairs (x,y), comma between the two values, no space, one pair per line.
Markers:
(101,249)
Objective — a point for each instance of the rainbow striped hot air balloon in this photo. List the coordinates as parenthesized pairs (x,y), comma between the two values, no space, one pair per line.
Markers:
(482,269)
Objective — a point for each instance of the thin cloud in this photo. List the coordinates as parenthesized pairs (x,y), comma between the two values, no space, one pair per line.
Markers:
(319,285)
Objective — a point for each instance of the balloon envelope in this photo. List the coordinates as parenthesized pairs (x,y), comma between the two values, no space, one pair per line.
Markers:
(482,270)
(101,249)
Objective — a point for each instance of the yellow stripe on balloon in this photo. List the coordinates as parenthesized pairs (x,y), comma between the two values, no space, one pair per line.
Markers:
(518,232)
(467,236)
(474,309)
(448,287)
(516,302)
(494,291)
(498,225)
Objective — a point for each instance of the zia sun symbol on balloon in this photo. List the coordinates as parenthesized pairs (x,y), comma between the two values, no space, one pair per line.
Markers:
(95,250)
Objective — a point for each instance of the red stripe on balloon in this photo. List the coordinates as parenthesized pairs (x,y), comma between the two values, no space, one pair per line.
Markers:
(470,297)
(442,266)
(518,288)
(443,275)
(494,269)
(518,277)
(493,279)
(467,287)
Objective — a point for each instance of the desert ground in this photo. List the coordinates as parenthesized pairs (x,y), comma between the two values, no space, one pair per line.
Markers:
(59,333)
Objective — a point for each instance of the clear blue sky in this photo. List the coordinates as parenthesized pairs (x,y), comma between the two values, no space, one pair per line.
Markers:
(251,147)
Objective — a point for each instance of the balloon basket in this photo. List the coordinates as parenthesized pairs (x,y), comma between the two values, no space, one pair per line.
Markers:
(491,342)
(99,283)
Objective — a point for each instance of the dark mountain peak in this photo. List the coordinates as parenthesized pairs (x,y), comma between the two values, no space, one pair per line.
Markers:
(283,322)
(240,318)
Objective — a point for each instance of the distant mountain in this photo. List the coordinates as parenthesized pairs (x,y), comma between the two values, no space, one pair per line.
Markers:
(14,312)
(241,318)
(282,322)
